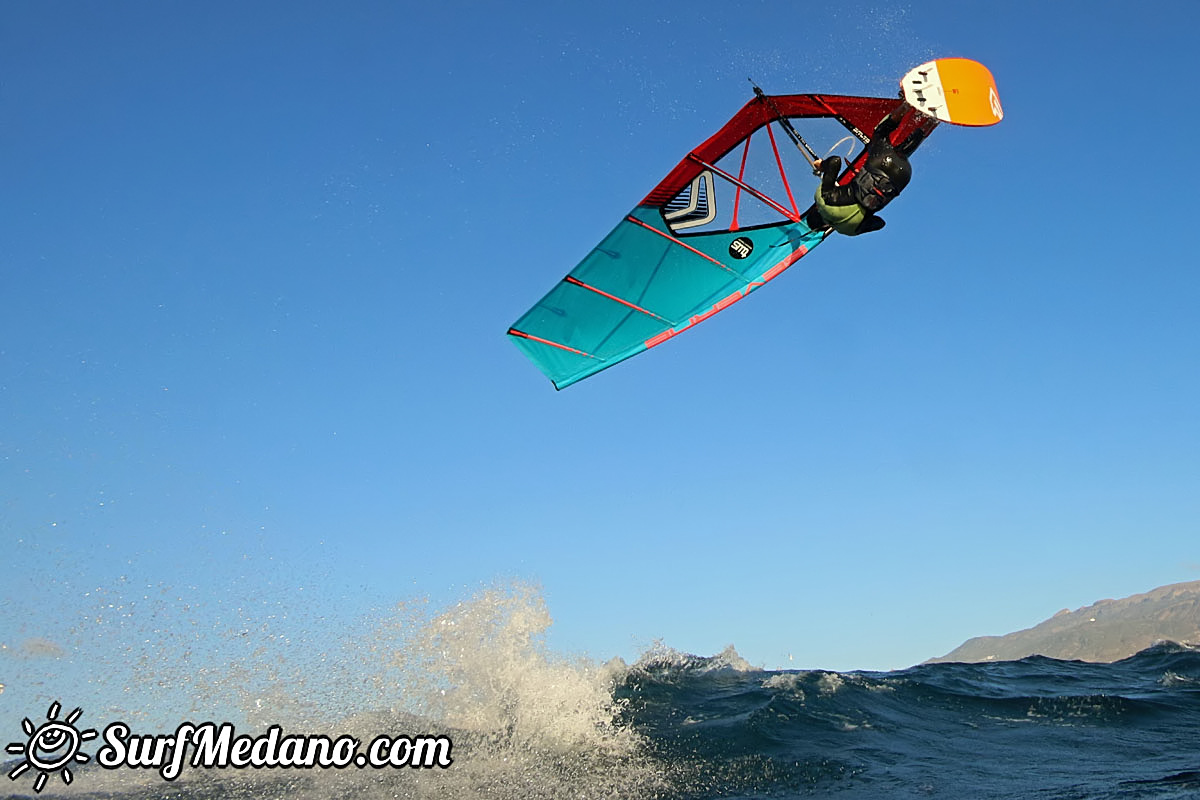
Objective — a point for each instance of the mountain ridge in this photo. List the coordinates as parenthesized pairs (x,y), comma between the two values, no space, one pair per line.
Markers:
(1105,631)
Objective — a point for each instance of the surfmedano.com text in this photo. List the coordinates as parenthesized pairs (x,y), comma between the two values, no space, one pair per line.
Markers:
(216,746)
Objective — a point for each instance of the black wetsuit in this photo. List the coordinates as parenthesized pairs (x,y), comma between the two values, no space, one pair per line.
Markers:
(848,209)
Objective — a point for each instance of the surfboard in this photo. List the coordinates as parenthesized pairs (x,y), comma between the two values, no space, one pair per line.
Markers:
(955,90)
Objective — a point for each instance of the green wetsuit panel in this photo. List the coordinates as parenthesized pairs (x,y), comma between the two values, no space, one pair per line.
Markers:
(844,219)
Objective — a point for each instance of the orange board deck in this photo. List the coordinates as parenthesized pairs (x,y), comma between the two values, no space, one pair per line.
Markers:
(955,90)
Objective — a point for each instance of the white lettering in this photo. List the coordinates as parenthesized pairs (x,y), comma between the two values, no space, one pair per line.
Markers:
(438,746)
(112,755)
(262,754)
(218,747)
(343,751)
(212,749)
(171,770)
(240,756)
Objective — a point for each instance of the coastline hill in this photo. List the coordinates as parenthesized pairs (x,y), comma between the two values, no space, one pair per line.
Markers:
(1107,630)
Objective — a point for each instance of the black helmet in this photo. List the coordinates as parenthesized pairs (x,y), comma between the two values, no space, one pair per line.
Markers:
(881,178)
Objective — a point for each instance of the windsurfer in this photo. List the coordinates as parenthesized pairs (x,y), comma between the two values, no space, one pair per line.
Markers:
(852,209)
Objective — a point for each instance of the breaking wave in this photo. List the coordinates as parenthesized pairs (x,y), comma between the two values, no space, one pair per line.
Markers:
(529,723)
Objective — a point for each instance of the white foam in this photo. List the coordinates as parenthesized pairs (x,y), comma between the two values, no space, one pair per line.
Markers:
(661,657)
(525,722)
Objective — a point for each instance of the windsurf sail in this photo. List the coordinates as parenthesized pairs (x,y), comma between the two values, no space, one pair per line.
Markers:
(724,222)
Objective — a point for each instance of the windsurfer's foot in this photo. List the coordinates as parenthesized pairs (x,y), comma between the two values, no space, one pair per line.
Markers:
(815,221)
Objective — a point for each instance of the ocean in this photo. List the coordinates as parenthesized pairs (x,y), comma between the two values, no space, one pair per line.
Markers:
(526,723)
(1035,728)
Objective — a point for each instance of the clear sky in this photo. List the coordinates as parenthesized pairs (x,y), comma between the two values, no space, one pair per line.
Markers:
(257,262)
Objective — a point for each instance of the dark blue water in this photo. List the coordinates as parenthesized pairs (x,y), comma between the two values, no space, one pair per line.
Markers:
(678,727)
(1035,728)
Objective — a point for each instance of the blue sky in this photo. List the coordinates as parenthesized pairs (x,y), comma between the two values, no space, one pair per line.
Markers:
(258,261)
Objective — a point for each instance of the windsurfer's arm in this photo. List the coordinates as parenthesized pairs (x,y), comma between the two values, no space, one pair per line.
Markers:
(829,167)
(885,127)
(888,125)
(910,144)
(833,194)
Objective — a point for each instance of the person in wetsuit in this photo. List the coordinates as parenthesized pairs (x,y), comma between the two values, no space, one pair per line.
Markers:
(852,209)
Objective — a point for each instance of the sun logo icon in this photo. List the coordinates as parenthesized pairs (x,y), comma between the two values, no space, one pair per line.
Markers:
(51,747)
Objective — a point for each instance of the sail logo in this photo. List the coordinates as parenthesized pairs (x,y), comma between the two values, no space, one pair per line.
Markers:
(741,247)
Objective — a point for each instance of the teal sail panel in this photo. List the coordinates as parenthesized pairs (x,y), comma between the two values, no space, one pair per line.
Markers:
(644,284)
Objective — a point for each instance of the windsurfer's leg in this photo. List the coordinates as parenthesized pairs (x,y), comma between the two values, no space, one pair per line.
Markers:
(871,223)
(814,220)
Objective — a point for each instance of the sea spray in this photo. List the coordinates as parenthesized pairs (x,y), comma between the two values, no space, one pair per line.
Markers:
(676,726)
(525,722)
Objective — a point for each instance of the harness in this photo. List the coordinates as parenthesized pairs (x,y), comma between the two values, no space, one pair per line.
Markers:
(873,190)
(843,219)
